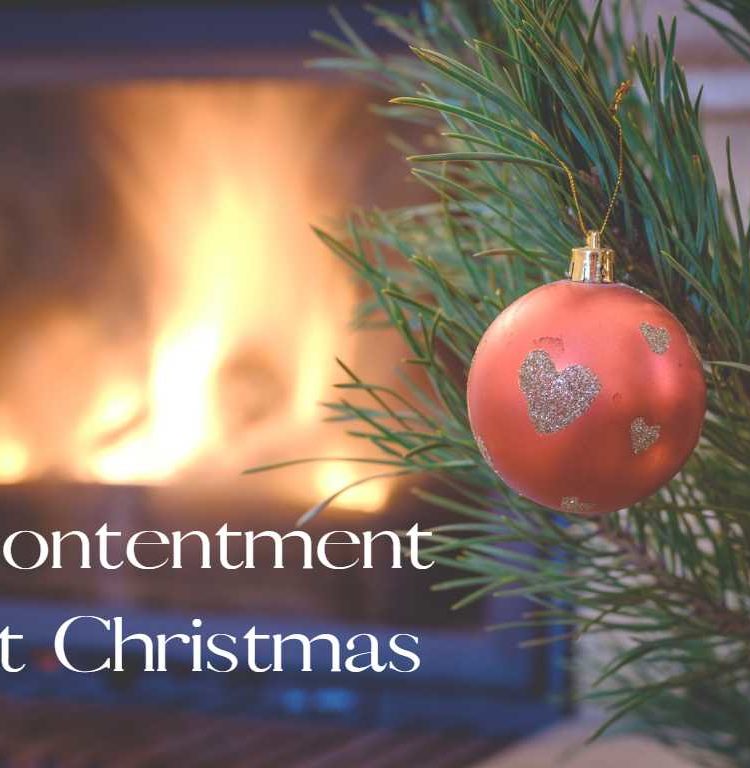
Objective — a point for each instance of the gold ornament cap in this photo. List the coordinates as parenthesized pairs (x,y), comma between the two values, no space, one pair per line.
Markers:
(592,263)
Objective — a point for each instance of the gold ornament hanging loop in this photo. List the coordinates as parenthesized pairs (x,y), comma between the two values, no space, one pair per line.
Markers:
(620,93)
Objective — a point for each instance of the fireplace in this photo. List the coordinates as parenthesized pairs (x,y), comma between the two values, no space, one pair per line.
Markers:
(162,273)
(169,319)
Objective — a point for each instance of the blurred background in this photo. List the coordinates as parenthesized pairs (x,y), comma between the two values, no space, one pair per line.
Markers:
(167,319)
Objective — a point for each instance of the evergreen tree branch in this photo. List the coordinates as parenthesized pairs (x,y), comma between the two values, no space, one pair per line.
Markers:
(669,579)
(736,35)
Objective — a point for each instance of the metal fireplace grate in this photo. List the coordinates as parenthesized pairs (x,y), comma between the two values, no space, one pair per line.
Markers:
(55,734)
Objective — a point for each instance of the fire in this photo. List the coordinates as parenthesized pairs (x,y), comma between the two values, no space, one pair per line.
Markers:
(245,310)
(183,421)
(367,497)
(14,460)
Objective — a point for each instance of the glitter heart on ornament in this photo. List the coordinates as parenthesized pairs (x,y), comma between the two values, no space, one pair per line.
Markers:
(643,435)
(572,505)
(555,399)
(656,337)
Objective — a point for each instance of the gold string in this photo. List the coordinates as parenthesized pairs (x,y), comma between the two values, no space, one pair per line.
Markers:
(616,101)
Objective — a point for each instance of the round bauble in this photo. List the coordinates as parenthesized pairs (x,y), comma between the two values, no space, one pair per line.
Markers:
(586,396)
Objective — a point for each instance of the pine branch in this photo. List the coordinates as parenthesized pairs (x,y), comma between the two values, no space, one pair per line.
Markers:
(723,620)
(670,576)
(736,35)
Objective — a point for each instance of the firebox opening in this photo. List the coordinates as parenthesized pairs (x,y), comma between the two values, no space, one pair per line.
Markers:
(163,282)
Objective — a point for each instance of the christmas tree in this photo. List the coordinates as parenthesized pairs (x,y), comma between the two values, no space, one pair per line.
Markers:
(508,95)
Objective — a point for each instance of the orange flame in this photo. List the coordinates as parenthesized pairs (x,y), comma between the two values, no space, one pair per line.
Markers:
(247,310)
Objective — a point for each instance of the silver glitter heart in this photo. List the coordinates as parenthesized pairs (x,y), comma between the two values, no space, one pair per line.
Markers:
(657,338)
(555,399)
(572,505)
(643,435)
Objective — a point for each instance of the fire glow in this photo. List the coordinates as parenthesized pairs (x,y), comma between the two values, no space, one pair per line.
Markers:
(245,310)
